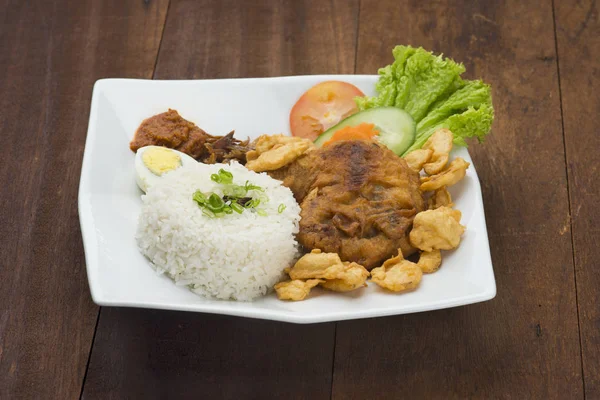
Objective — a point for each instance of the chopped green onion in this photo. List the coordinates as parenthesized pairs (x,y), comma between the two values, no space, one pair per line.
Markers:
(199,197)
(235,197)
(281,208)
(236,191)
(208,213)
(249,186)
(237,208)
(263,198)
(252,203)
(215,203)
(226,176)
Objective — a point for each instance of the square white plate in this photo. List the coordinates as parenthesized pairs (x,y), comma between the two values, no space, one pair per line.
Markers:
(109,204)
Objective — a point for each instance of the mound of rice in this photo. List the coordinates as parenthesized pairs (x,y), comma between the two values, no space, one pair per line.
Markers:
(239,256)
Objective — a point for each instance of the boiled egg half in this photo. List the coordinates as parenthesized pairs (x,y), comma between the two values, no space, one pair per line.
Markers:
(152,162)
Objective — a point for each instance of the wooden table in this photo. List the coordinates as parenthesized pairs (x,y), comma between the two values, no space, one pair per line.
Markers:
(539,338)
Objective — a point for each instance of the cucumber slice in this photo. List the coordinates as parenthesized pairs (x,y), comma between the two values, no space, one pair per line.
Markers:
(396,127)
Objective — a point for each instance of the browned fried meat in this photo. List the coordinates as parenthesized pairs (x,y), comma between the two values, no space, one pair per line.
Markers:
(358,199)
(169,129)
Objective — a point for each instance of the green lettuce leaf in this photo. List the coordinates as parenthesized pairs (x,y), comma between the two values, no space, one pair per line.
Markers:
(473,122)
(430,89)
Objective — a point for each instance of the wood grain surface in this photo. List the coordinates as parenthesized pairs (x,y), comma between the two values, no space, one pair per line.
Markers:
(524,343)
(578,42)
(180,355)
(537,339)
(149,354)
(230,39)
(51,55)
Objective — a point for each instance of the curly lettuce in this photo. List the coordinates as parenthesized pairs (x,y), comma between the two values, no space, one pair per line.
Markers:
(430,89)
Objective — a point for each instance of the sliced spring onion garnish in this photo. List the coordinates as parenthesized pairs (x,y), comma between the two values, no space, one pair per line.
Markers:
(252,203)
(249,186)
(237,208)
(235,197)
(224,177)
(199,197)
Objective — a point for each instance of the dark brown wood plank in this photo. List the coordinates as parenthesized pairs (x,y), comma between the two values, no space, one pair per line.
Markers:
(524,343)
(230,39)
(160,354)
(151,354)
(578,42)
(52,52)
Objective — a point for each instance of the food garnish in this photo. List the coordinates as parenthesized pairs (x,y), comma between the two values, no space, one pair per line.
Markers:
(431,90)
(363,131)
(434,155)
(317,264)
(353,277)
(224,177)
(326,268)
(430,261)
(448,177)
(440,198)
(235,198)
(321,107)
(272,152)
(437,229)
(396,127)
(295,290)
(417,158)
(397,274)
(440,143)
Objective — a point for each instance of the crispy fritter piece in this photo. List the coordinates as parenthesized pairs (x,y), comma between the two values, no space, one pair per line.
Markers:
(272,152)
(353,277)
(440,198)
(317,265)
(441,145)
(417,158)
(437,229)
(339,276)
(295,290)
(430,261)
(265,143)
(397,274)
(450,176)
(454,213)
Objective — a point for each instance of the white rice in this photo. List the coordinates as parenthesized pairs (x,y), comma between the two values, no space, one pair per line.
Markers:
(239,256)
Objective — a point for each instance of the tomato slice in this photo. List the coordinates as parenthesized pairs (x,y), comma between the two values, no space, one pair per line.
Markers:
(323,106)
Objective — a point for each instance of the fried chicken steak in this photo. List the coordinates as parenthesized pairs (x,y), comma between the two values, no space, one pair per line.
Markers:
(358,199)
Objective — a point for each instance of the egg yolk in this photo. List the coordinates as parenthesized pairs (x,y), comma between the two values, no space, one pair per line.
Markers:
(160,160)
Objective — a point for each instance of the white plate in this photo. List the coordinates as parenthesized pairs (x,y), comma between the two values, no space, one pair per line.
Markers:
(109,204)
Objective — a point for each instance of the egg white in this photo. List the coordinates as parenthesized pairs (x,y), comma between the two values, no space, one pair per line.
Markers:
(146,178)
